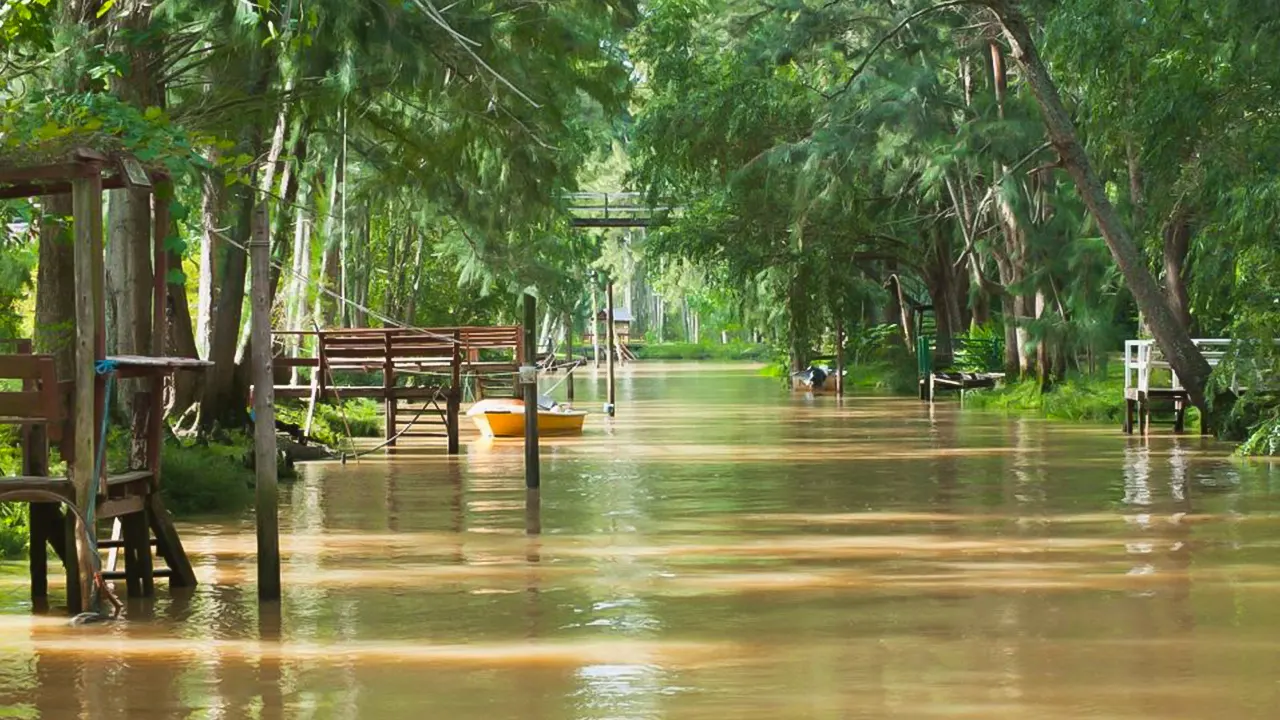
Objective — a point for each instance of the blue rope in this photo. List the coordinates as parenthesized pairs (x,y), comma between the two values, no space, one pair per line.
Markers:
(108,368)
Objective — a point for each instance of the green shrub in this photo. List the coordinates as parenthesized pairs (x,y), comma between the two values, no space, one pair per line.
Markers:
(363,417)
(205,479)
(1264,440)
(13,530)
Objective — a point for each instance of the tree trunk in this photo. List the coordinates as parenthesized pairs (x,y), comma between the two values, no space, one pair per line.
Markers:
(1177,243)
(1137,192)
(55,286)
(128,246)
(1173,339)
(218,403)
(394,273)
(411,305)
(899,311)
(210,259)
(128,289)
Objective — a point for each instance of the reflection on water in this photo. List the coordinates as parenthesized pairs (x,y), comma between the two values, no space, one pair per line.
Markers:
(720,549)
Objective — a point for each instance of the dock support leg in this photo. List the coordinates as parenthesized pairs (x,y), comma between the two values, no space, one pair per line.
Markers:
(1144,415)
(454,401)
(1179,416)
(129,533)
(168,544)
(388,391)
(39,540)
(138,568)
(71,563)
(1128,416)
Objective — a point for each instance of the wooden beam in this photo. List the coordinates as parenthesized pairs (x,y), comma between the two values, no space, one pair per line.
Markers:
(57,187)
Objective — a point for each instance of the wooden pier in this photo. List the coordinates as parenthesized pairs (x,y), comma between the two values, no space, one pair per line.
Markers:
(422,372)
(1150,381)
(72,413)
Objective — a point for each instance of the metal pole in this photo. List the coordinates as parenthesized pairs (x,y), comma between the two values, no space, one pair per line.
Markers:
(529,376)
(612,347)
(264,414)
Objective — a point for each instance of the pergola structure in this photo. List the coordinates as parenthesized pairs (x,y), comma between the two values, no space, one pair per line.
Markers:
(77,419)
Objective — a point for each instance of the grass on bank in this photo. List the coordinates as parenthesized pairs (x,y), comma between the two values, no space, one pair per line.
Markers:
(706,351)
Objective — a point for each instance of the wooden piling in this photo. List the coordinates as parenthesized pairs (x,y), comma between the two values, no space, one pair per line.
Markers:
(388,390)
(532,470)
(595,324)
(839,358)
(86,196)
(612,348)
(568,349)
(454,402)
(264,441)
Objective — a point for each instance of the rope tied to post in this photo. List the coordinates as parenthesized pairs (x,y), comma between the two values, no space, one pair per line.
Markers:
(100,588)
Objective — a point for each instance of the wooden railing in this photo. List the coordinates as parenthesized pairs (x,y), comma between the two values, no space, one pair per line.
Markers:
(1141,357)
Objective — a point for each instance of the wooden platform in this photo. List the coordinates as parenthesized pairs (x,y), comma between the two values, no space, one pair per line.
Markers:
(938,382)
(438,358)
(1150,381)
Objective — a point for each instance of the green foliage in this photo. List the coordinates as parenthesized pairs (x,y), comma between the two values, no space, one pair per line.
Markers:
(13,529)
(206,480)
(1264,440)
(332,420)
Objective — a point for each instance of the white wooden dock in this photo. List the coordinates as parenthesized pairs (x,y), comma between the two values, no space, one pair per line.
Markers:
(1148,379)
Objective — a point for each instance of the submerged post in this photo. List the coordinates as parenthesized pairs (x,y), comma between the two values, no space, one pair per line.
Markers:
(529,377)
(612,346)
(568,351)
(264,433)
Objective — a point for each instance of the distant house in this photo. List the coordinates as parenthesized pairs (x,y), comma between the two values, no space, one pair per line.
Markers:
(621,324)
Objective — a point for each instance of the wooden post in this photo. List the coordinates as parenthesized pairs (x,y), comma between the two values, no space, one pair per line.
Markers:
(532,470)
(388,389)
(86,208)
(568,351)
(264,440)
(41,517)
(839,357)
(595,326)
(159,324)
(612,348)
(454,401)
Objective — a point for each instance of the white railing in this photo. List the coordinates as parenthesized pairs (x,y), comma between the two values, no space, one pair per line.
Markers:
(1143,356)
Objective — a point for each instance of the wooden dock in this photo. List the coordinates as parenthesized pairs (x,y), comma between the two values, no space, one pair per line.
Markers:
(421,370)
(1149,381)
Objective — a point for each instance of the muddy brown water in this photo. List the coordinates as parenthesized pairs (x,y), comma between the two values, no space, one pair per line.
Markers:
(721,549)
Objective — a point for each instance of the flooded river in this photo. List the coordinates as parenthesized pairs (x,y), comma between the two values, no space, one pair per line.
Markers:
(721,549)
